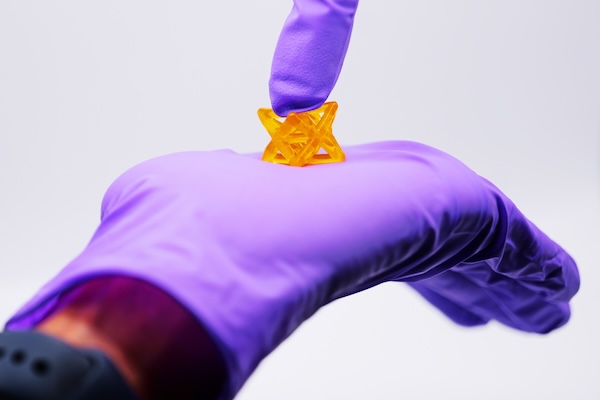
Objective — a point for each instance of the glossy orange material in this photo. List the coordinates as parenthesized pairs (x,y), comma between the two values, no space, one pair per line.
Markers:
(302,138)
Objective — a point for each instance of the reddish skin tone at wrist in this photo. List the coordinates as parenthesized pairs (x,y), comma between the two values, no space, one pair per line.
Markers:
(159,347)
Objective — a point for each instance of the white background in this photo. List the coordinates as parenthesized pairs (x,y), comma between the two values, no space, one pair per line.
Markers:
(510,87)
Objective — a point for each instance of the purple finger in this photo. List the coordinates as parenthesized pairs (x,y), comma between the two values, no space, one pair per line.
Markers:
(309,54)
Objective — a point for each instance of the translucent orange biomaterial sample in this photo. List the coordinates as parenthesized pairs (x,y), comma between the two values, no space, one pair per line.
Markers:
(302,138)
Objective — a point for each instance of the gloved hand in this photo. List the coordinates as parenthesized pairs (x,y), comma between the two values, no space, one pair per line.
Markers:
(253,248)
(309,54)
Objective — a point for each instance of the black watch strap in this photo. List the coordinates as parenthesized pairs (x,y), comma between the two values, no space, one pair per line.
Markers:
(34,366)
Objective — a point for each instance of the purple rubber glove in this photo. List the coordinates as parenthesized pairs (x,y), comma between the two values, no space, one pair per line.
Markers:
(253,249)
(309,54)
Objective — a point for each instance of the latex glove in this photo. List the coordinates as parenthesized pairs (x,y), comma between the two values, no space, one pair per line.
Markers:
(253,249)
(309,54)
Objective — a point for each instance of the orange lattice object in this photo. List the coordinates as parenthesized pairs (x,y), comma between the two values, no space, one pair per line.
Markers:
(302,138)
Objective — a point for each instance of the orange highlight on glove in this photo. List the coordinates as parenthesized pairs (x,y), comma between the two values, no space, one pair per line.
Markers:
(302,138)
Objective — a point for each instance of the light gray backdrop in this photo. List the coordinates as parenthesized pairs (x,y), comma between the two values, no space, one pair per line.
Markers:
(511,87)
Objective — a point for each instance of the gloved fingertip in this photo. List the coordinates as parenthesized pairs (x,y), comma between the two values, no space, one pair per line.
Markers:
(289,94)
(283,105)
(310,53)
